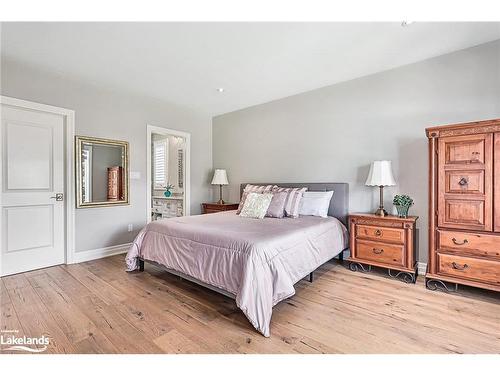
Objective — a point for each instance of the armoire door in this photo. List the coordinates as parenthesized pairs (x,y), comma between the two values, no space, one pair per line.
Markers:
(465,182)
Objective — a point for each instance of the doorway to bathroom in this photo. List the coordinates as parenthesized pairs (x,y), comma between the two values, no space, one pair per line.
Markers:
(168,182)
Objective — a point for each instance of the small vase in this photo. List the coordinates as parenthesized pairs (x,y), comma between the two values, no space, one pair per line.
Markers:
(402,211)
(167,193)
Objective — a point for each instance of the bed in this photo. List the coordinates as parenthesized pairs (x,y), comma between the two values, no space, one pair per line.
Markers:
(256,262)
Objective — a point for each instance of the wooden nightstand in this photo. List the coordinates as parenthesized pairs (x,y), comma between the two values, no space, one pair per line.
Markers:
(210,208)
(388,242)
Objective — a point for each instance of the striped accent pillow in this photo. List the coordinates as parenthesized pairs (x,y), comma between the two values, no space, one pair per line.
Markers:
(292,201)
(253,189)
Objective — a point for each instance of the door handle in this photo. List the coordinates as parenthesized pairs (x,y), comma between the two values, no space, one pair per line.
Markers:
(58,197)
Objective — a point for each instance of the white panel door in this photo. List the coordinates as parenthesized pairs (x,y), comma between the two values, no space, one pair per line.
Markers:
(32,199)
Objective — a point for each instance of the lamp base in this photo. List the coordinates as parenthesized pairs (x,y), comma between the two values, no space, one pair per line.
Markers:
(220,201)
(381,212)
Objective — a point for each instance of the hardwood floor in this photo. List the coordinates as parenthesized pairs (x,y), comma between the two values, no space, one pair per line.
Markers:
(96,307)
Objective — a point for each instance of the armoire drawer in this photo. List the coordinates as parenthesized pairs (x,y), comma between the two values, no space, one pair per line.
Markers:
(469,268)
(380,252)
(474,244)
(379,233)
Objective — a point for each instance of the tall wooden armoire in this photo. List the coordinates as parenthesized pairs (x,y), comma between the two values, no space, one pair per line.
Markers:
(464,205)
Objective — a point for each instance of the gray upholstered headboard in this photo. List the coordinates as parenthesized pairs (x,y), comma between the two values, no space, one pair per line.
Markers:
(339,205)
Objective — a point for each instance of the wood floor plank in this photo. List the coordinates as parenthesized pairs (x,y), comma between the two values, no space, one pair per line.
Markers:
(36,319)
(9,321)
(69,317)
(97,307)
(95,284)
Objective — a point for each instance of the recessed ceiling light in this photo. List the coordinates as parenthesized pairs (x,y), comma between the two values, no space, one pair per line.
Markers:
(220,89)
(406,23)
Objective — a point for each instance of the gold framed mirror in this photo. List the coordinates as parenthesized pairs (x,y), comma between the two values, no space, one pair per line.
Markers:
(102,174)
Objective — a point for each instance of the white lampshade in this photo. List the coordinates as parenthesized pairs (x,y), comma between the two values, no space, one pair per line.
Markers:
(380,174)
(220,177)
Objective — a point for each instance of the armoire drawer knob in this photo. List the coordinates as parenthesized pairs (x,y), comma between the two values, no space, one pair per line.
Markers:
(459,243)
(463,181)
(378,232)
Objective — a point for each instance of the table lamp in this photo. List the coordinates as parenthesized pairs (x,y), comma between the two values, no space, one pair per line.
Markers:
(381,175)
(220,178)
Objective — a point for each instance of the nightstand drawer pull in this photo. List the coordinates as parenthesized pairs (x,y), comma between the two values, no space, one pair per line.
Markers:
(459,267)
(378,251)
(464,242)
(463,181)
(378,232)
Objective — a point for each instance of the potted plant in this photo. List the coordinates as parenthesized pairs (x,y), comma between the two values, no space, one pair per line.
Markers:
(167,193)
(402,203)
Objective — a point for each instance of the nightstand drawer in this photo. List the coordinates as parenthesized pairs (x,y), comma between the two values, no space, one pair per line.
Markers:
(380,252)
(380,233)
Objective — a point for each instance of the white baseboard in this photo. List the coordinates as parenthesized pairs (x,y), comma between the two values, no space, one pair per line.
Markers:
(85,256)
(422,268)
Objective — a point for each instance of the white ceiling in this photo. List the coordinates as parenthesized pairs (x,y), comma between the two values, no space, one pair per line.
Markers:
(184,63)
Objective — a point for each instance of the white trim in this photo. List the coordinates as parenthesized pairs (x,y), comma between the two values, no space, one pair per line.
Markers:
(85,256)
(69,188)
(187,167)
(422,268)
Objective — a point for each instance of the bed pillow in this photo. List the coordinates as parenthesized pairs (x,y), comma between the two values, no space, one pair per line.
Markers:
(277,206)
(294,195)
(253,189)
(256,205)
(315,203)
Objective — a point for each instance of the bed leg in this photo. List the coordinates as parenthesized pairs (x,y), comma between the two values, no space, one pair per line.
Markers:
(311,277)
(341,256)
(141,265)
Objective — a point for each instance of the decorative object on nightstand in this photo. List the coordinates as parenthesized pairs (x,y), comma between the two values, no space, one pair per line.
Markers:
(402,204)
(210,208)
(380,175)
(388,242)
(220,178)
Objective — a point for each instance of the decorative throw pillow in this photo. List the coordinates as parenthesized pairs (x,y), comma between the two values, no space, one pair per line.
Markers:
(256,205)
(277,206)
(315,203)
(294,195)
(253,189)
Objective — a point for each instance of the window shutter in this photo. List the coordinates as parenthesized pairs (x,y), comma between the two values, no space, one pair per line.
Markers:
(160,163)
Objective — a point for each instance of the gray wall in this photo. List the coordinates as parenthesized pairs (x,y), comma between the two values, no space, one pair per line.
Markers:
(114,115)
(332,134)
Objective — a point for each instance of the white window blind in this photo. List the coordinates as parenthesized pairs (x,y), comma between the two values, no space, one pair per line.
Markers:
(160,163)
